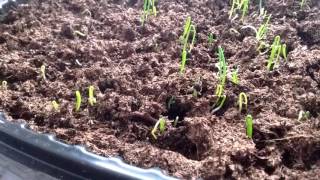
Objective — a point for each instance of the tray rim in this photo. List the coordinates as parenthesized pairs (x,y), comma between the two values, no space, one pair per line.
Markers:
(47,149)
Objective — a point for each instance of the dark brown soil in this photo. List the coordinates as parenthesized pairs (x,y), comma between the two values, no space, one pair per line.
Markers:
(135,70)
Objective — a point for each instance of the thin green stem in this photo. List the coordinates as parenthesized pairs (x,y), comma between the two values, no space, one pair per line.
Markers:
(249,126)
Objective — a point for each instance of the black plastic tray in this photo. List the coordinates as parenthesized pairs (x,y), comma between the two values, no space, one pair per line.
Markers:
(44,153)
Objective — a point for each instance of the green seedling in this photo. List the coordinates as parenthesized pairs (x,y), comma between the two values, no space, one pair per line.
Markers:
(4,85)
(221,99)
(55,105)
(303,115)
(188,28)
(183,61)
(149,7)
(219,104)
(235,4)
(43,72)
(186,31)
(210,39)
(275,52)
(161,125)
(239,5)
(249,125)
(219,90)
(261,33)
(243,100)
(263,13)
(263,45)
(195,93)
(302,3)
(187,47)
(244,8)
(276,49)
(222,67)
(78,101)
(263,29)
(92,100)
(261,9)
(284,51)
(234,77)
(194,32)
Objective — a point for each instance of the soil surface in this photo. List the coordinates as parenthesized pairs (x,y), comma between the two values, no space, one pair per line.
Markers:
(135,72)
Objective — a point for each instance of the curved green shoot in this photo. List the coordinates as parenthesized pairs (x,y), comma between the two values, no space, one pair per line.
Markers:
(87,12)
(43,72)
(92,100)
(221,99)
(219,104)
(194,32)
(243,100)
(78,101)
(55,105)
(81,34)
(249,126)
(161,125)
